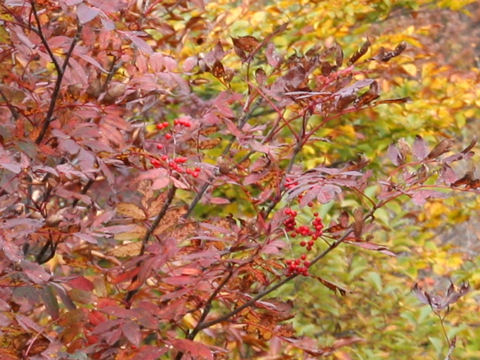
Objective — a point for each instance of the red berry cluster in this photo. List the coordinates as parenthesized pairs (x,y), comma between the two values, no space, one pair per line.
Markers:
(176,163)
(183,122)
(296,267)
(162,125)
(314,231)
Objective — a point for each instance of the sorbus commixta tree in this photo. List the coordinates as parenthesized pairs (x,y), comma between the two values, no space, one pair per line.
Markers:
(142,207)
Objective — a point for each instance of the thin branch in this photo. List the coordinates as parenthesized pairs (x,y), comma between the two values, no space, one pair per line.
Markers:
(208,305)
(43,39)
(83,191)
(111,72)
(156,222)
(60,73)
(210,180)
(296,150)
(267,291)
(206,311)
(9,105)
(161,214)
(198,197)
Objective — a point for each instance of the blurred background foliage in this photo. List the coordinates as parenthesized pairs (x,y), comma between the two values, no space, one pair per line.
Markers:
(435,243)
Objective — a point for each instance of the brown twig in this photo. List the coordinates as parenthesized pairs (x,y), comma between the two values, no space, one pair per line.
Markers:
(60,72)
(156,222)
(44,41)
(269,290)
(9,105)
(210,180)
(83,191)
(161,214)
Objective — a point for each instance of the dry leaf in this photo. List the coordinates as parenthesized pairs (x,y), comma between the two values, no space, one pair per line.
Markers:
(130,211)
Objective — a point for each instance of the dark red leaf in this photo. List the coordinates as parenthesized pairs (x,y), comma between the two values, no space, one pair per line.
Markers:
(196,349)
(132,332)
(81,283)
(35,272)
(372,246)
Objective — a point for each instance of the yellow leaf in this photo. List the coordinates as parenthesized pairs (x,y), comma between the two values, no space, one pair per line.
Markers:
(137,233)
(130,249)
(410,69)
(131,211)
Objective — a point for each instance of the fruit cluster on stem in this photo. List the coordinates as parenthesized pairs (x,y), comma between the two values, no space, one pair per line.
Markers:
(314,231)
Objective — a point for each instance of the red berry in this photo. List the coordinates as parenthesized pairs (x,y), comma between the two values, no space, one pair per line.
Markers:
(164,157)
(155,163)
(168,136)
(180,160)
(303,257)
(303,243)
(159,146)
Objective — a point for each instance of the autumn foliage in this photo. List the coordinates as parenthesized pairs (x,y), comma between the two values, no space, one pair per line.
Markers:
(164,177)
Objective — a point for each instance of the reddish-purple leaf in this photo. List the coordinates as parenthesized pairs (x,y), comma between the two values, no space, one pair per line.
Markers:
(190,63)
(419,197)
(273,58)
(86,13)
(372,246)
(394,155)
(420,148)
(149,352)
(81,283)
(448,175)
(4,322)
(219,201)
(35,272)
(28,324)
(196,349)
(132,332)
(438,302)
(106,326)
(274,247)
(11,251)
(141,44)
